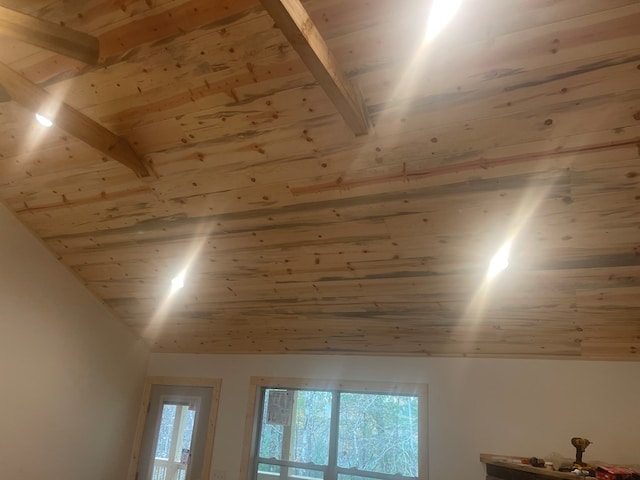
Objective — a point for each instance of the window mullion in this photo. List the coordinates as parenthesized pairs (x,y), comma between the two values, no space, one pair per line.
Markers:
(286,440)
(261,400)
(332,468)
(175,433)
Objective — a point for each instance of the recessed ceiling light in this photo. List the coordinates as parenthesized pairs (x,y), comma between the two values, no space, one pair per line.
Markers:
(44,121)
(177,282)
(500,260)
(440,14)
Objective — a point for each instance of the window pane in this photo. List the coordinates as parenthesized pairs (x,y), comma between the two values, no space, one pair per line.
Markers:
(310,427)
(159,472)
(378,433)
(166,431)
(189,420)
(304,473)
(342,476)
(268,472)
(271,435)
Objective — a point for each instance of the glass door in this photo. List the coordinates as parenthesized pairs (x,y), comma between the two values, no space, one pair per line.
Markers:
(173,445)
(175,433)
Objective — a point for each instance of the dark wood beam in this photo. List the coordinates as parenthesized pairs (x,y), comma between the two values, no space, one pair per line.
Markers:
(296,25)
(48,35)
(38,100)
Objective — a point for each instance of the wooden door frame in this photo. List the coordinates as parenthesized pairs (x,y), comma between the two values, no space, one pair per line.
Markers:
(214,383)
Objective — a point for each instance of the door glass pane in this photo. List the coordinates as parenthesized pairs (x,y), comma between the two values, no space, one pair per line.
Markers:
(174,442)
(378,433)
(188,428)
(175,433)
(166,431)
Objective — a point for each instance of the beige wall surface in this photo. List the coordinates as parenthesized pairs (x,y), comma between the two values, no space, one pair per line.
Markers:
(509,407)
(70,374)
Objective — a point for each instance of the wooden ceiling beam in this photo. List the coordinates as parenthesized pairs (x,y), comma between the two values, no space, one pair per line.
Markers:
(49,35)
(296,25)
(38,100)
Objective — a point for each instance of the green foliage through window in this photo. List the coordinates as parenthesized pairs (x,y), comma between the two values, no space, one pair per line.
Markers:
(334,435)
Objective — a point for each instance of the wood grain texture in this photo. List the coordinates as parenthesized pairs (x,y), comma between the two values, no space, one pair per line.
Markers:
(51,36)
(520,121)
(38,100)
(296,25)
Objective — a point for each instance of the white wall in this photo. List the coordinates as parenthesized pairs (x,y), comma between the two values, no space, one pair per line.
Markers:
(70,374)
(512,407)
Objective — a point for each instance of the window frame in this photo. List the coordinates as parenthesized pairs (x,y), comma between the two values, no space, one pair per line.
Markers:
(257,384)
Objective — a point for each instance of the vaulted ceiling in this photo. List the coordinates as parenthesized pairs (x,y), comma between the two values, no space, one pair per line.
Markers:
(339,188)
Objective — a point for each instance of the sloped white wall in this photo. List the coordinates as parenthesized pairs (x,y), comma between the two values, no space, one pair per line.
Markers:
(71,375)
(509,407)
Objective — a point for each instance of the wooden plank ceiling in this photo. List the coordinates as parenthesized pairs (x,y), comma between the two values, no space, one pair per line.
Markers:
(520,121)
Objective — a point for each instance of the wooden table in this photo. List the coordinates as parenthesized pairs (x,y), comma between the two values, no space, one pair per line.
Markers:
(506,468)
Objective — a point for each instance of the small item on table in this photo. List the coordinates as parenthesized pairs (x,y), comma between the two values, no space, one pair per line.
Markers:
(612,472)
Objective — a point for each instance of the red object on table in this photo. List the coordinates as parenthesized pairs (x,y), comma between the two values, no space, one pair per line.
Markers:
(611,472)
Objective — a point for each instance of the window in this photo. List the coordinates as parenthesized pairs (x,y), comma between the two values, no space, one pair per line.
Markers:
(305,430)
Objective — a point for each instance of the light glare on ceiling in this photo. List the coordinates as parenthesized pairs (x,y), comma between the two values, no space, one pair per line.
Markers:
(44,121)
(440,14)
(500,260)
(177,282)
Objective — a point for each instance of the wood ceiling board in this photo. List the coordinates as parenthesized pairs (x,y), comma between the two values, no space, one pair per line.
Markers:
(567,151)
(293,20)
(315,241)
(265,110)
(43,211)
(354,344)
(220,241)
(116,44)
(206,93)
(48,35)
(353,325)
(167,23)
(289,238)
(485,58)
(38,100)
(119,21)
(208,58)
(249,122)
(15,52)
(505,95)
(44,154)
(268,259)
(536,124)
(90,14)
(336,18)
